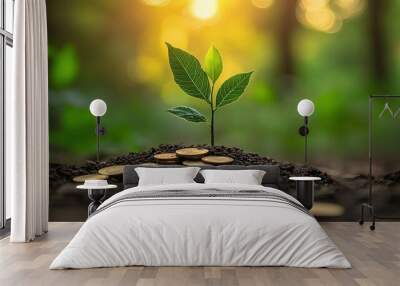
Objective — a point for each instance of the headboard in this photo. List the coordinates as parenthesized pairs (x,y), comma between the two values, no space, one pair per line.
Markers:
(271,177)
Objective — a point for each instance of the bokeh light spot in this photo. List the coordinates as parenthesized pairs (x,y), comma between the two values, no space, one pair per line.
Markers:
(323,19)
(317,14)
(312,5)
(262,3)
(350,8)
(204,9)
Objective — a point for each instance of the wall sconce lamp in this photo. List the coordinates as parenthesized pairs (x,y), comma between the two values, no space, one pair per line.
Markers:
(98,108)
(305,108)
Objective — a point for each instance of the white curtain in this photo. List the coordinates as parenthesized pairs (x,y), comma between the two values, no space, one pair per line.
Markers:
(27,157)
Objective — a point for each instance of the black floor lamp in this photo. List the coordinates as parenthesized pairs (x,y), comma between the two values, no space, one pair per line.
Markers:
(370,206)
(98,108)
(305,108)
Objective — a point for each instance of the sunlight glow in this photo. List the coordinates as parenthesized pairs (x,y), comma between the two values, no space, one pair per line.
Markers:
(150,69)
(204,9)
(262,3)
(156,2)
(174,31)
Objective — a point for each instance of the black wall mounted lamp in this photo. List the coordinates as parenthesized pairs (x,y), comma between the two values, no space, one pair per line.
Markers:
(305,108)
(98,108)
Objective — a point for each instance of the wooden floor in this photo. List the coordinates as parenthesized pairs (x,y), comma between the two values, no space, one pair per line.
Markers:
(375,257)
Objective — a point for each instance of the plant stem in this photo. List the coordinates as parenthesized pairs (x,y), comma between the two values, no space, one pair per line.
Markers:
(212,127)
(212,114)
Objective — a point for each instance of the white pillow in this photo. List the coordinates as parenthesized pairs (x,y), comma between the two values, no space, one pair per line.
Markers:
(247,177)
(166,176)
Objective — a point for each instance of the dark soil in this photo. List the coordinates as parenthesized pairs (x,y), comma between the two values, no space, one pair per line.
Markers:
(61,174)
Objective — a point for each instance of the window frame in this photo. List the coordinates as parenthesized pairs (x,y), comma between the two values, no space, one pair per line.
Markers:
(6,39)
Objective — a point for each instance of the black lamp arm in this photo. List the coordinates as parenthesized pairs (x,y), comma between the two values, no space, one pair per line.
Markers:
(303,130)
(100,131)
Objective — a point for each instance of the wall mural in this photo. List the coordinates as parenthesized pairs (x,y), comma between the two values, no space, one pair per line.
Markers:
(334,52)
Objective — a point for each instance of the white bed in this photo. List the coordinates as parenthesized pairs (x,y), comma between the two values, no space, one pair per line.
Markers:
(202,231)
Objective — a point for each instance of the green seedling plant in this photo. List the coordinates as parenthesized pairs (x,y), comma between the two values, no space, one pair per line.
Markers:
(199,83)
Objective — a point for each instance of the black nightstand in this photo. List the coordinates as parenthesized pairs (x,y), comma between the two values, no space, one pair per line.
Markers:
(305,190)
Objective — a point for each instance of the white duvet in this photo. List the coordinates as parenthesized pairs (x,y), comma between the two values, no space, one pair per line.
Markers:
(193,231)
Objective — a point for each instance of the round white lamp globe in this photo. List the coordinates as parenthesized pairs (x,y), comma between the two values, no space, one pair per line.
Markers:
(98,107)
(305,107)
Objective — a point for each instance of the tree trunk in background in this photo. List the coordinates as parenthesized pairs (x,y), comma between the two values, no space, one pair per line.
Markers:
(286,25)
(376,22)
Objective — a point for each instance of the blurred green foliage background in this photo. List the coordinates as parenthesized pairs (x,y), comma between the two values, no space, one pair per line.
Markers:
(334,52)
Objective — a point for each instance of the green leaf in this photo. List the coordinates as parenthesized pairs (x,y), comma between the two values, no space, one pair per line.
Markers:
(213,63)
(188,113)
(188,73)
(232,88)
